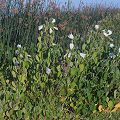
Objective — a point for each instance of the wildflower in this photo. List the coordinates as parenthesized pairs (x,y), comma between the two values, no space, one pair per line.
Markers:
(97,27)
(112,55)
(53,20)
(21,56)
(17,63)
(48,70)
(53,44)
(69,55)
(50,30)
(40,27)
(71,45)
(71,64)
(71,36)
(82,55)
(111,45)
(19,46)
(107,33)
(55,28)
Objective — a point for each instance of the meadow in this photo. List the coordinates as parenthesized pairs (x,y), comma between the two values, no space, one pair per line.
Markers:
(59,63)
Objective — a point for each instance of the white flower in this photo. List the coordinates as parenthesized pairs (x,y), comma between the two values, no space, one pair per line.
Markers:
(119,50)
(21,56)
(40,27)
(82,55)
(71,64)
(19,46)
(111,45)
(48,70)
(17,63)
(71,36)
(69,55)
(97,27)
(50,30)
(107,33)
(55,28)
(53,44)
(71,46)
(112,55)
(53,20)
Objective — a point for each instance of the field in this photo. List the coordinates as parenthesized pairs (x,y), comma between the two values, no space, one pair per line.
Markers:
(59,63)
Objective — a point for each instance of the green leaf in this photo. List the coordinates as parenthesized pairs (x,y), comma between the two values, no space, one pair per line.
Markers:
(83,46)
(89,95)
(71,104)
(14,60)
(37,58)
(70,91)
(14,74)
(13,84)
(115,93)
(110,104)
(7,114)
(16,107)
(94,55)
(81,67)
(26,64)
(22,78)
(73,71)
(58,68)
(42,85)
(73,84)
(88,41)
(58,74)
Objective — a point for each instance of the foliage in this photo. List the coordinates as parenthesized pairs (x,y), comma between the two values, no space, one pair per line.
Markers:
(53,72)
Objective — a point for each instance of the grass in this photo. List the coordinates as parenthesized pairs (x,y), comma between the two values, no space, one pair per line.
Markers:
(105,116)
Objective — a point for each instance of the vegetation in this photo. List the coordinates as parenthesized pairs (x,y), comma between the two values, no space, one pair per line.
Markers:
(59,63)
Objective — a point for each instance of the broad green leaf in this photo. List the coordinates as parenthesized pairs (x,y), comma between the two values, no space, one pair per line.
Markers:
(71,104)
(16,107)
(58,68)
(7,114)
(73,84)
(14,60)
(13,84)
(83,46)
(37,58)
(14,74)
(70,91)
(94,55)
(88,41)
(42,85)
(26,64)
(110,104)
(81,67)
(58,74)
(73,71)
